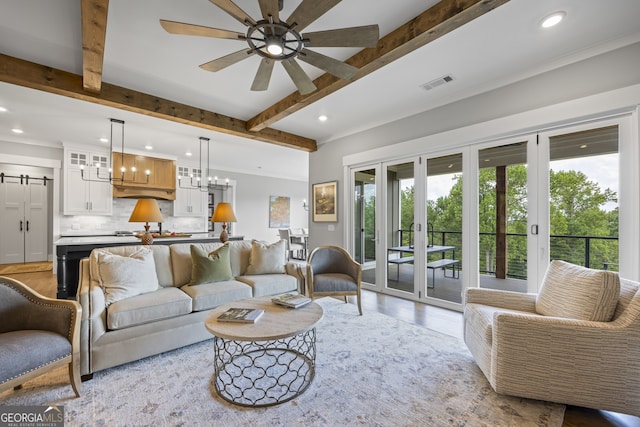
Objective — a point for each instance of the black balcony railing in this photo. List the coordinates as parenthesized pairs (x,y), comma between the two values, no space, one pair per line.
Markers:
(599,252)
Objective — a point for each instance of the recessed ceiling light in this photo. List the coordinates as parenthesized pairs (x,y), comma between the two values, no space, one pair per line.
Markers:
(323,118)
(188,153)
(104,140)
(16,130)
(148,147)
(553,19)
(583,146)
(3,110)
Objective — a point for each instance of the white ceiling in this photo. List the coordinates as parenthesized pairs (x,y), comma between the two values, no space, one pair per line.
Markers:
(501,47)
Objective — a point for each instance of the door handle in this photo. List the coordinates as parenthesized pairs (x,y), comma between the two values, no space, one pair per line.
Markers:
(534,229)
(27,225)
(20,225)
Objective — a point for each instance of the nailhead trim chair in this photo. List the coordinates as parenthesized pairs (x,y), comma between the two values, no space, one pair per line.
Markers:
(331,271)
(37,334)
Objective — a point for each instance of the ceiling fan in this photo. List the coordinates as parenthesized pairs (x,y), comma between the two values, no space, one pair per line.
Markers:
(278,40)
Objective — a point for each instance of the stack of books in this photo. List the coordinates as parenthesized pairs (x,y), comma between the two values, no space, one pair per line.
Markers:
(241,315)
(291,300)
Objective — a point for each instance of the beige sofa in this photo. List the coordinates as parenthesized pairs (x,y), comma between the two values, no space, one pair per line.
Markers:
(171,316)
(568,344)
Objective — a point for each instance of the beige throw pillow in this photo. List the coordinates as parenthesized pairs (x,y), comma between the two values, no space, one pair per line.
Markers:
(577,292)
(266,258)
(126,276)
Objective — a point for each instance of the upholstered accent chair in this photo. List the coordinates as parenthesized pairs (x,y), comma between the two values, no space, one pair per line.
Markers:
(576,342)
(331,271)
(37,334)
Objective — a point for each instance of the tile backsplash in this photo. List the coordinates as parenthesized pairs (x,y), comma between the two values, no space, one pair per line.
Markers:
(122,208)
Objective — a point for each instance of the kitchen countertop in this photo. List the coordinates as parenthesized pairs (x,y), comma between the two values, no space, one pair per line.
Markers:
(102,239)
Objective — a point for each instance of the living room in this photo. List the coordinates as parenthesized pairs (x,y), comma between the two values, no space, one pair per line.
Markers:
(593,81)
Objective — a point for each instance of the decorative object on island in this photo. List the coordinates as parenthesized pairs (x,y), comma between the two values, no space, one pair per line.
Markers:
(224,214)
(146,210)
(196,183)
(325,202)
(109,178)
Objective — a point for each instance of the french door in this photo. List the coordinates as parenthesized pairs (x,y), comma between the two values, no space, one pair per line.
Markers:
(494,214)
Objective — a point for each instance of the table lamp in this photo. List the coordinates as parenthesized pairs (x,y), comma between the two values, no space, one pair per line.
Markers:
(224,214)
(146,210)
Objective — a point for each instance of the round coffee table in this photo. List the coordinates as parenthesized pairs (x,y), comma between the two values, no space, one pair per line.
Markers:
(268,362)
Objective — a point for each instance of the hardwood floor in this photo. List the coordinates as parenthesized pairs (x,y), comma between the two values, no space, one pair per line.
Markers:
(439,319)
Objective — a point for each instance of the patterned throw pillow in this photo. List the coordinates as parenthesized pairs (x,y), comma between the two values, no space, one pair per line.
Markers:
(266,258)
(126,276)
(577,292)
(210,267)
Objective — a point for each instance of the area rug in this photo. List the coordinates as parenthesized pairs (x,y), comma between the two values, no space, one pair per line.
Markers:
(27,267)
(371,370)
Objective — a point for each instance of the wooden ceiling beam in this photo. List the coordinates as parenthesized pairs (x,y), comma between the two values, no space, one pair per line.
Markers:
(442,18)
(94,32)
(28,74)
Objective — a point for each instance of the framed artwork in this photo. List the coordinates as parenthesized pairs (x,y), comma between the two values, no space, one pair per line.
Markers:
(279,211)
(325,202)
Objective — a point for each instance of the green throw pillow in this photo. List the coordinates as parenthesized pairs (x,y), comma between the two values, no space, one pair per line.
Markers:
(212,267)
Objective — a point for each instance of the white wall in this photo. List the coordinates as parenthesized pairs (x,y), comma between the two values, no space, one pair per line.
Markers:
(562,95)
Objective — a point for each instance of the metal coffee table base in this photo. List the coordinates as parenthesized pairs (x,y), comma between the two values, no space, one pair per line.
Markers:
(264,373)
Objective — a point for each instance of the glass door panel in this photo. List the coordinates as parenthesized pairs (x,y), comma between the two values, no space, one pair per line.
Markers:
(364,222)
(400,227)
(583,201)
(503,217)
(444,228)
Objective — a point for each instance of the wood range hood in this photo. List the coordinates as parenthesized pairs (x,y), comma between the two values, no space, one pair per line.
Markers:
(162,178)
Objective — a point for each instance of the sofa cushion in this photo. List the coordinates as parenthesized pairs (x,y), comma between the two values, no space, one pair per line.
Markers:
(161,304)
(27,350)
(211,295)
(181,260)
(266,258)
(123,277)
(212,267)
(270,284)
(240,252)
(577,292)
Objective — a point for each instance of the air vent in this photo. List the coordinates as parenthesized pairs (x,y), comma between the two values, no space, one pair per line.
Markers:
(437,82)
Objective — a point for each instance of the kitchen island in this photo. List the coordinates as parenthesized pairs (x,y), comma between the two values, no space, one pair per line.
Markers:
(70,250)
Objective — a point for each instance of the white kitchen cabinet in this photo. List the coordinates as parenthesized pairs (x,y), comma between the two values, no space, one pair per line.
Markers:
(86,196)
(189,201)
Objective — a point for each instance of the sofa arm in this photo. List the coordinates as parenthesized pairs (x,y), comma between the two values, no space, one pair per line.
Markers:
(296,270)
(503,299)
(577,362)
(94,314)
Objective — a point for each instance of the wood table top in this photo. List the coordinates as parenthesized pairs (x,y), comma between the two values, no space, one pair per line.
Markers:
(277,321)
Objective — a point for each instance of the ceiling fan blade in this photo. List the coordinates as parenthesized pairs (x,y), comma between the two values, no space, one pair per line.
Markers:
(365,36)
(174,27)
(308,11)
(328,64)
(300,78)
(225,61)
(234,10)
(270,8)
(263,76)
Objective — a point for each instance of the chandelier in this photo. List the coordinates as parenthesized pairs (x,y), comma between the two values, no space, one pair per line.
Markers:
(100,176)
(196,182)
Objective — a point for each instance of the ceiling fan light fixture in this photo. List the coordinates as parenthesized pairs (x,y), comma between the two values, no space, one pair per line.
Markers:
(274,47)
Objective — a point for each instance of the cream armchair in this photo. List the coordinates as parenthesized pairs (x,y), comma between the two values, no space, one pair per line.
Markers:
(575,361)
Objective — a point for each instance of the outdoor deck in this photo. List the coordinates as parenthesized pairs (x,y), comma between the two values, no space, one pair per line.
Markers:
(446,288)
